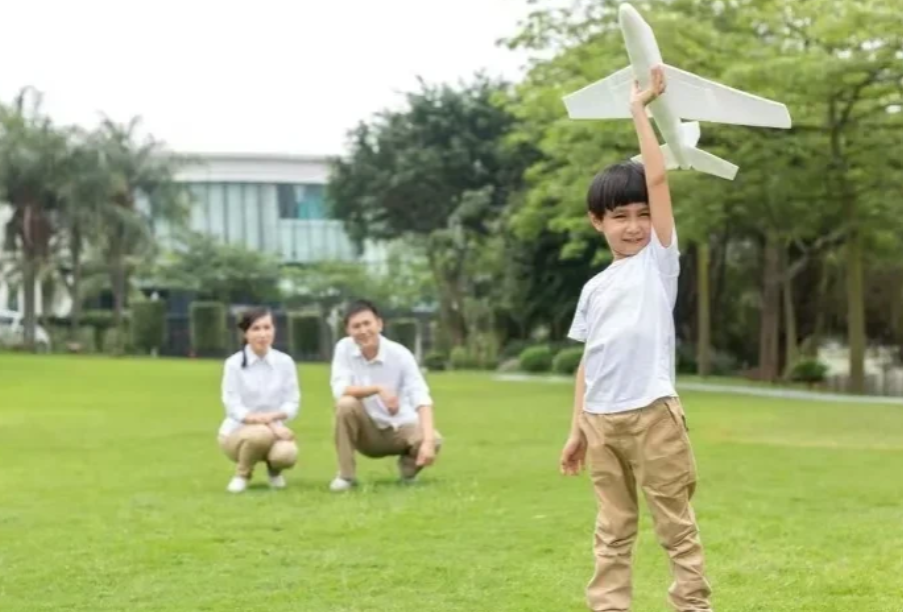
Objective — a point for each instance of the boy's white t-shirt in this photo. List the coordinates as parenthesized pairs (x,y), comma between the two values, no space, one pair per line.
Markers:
(625,318)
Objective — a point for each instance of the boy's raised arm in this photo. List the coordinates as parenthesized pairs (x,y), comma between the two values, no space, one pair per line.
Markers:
(653,159)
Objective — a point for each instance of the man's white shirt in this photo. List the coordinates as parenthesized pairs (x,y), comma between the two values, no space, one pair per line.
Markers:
(393,367)
(625,318)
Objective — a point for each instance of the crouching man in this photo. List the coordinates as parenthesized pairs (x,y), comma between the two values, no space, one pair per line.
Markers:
(383,405)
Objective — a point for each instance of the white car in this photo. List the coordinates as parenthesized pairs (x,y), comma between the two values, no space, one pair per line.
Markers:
(12,332)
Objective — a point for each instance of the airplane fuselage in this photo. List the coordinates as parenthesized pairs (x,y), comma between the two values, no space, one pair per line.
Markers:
(643,51)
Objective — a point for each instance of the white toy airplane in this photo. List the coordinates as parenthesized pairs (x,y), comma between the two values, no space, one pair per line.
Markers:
(686,96)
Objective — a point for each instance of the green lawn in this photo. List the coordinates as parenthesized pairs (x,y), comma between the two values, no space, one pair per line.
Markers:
(112,498)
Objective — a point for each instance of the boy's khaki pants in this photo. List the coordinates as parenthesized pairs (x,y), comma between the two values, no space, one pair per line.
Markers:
(355,431)
(251,444)
(649,447)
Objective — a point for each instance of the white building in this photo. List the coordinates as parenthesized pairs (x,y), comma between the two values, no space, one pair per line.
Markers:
(271,203)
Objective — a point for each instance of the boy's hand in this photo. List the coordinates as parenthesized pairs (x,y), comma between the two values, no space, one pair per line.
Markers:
(642,97)
(573,456)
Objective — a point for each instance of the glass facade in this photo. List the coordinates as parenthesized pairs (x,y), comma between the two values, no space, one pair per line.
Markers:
(284,219)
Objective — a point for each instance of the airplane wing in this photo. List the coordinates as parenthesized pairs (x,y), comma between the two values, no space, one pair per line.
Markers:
(697,99)
(605,99)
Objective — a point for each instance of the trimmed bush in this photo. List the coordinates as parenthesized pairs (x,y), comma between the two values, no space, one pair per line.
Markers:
(148,325)
(99,321)
(404,331)
(435,361)
(111,344)
(536,359)
(305,335)
(462,359)
(567,361)
(809,371)
(208,328)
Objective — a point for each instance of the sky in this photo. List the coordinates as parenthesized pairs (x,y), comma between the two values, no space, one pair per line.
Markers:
(290,76)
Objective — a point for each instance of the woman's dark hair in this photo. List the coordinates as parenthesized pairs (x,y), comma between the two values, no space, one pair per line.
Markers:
(245,322)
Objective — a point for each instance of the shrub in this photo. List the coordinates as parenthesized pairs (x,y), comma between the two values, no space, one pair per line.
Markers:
(567,361)
(809,371)
(305,331)
(462,359)
(99,321)
(111,344)
(536,359)
(435,361)
(148,325)
(404,331)
(208,328)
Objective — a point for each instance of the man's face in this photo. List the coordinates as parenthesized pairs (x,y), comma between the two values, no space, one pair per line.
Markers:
(365,327)
(626,228)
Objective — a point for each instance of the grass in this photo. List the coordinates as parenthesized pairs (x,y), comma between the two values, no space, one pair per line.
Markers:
(112,498)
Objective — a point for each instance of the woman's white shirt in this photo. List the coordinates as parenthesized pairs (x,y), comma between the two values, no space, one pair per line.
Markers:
(265,384)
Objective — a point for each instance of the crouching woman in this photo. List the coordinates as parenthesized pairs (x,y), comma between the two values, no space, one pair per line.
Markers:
(260,394)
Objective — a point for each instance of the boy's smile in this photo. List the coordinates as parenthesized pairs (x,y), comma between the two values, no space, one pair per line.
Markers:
(626,228)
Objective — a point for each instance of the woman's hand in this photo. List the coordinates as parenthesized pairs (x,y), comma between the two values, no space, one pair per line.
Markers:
(282,432)
(261,418)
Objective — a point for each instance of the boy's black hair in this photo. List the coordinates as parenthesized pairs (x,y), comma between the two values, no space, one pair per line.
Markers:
(617,185)
(247,320)
(359,306)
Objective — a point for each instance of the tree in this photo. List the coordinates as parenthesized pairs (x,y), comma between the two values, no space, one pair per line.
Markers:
(799,193)
(85,193)
(436,172)
(34,159)
(138,169)
(219,271)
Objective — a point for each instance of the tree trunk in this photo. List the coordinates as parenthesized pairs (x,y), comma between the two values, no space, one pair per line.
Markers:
(703,301)
(855,311)
(791,342)
(29,280)
(117,278)
(769,322)
(451,317)
(855,290)
(76,287)
(818,328)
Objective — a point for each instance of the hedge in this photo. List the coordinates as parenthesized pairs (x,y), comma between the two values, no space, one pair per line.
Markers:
(567,361)
(305,333)
(208,328)
(404,331)
(148,325)
(536,359)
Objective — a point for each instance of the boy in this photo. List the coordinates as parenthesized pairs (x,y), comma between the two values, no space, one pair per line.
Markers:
(627,418)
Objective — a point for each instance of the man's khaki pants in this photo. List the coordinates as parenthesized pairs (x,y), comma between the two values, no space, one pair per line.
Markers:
(356,431)
(251,444)
(649,447)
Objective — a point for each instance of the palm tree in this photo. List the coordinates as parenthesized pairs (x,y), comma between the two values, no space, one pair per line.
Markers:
(135,168)
(86,192)
(34,158)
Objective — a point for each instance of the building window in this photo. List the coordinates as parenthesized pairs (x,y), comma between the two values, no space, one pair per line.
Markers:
(301,202)
(310,201)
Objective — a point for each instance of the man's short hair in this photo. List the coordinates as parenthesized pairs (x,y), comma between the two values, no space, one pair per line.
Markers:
(359,306)
(617,185)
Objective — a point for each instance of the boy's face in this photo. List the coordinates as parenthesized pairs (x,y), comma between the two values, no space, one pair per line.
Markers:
(626,228)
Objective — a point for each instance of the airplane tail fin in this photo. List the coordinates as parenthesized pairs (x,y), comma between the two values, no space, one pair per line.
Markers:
(670,162)
(710,164)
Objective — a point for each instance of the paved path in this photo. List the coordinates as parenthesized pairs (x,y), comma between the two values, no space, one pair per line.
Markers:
(734,389)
